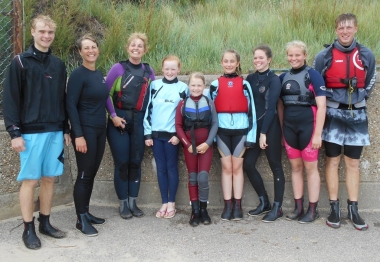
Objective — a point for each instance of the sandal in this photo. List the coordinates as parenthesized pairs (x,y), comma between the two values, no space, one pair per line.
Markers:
(170,214)
(160,213)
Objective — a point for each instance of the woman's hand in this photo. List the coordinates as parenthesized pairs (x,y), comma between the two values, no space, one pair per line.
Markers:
(80,145)
(118,122)
(263,141)
(202,148)
(316,141)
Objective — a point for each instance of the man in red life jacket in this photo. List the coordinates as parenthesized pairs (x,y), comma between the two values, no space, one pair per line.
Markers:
(349,70)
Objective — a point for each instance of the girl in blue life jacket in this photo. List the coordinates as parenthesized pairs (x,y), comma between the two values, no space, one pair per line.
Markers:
(234,104)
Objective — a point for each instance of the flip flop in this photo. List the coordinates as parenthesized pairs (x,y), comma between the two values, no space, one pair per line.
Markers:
(160,214)
(170,214)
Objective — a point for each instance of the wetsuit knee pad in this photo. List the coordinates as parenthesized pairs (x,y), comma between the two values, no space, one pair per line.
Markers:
(193,178)
(203,180)
(134,172)
(123,171)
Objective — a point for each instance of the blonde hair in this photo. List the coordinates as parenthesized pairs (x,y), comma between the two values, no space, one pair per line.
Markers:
(171,58)
(44,19)
(198,75)
(297,43)
(141,36)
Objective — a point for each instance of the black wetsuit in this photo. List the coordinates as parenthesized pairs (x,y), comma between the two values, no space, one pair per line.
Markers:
(87,94)
(266,88)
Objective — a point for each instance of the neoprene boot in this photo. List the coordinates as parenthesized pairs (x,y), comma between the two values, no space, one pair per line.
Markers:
(333,220)
(29,236)
(353,215)
(298,210)
(95,220)
(227,211)
(124,209)
(205,218)
(47,229)
(194,219)
(136,212)
(84,226)
(275,213)
(310,215)
(237,212)
(263,207)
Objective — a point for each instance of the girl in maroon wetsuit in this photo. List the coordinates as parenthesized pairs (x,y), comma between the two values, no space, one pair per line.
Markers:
(196,126)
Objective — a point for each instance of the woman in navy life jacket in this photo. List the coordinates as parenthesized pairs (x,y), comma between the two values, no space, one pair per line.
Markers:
(266,89)
(196,125)
(235,106)
(302,110)
(128,85)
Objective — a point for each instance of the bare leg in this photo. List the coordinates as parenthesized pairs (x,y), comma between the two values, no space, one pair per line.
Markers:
(227,177)
(352,178)
(27,199)
(332,176)
(297,177)
(313,180)
(237,177)
(46,194)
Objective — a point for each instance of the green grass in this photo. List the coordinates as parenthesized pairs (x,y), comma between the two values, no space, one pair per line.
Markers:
(199,31)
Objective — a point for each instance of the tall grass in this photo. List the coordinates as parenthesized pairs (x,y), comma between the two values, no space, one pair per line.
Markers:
(199,31)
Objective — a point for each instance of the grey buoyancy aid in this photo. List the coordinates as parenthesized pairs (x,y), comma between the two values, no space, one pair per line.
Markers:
(196,115)
(295,91)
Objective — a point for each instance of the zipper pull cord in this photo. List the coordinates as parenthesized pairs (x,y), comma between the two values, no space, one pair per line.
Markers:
(350,91)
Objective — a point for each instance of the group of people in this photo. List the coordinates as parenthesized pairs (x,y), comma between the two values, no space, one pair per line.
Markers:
(298,109)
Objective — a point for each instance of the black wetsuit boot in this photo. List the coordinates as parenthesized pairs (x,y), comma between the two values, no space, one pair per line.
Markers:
(333,220)
(29,236)
(298,210)
(205,218)
(136,212)
(84,226)
(93,219)
(227,211)
(237,211)
(310,215)
(353,215)
(275,213)
(263,207)
(124,210)
(194,219)
(47,229)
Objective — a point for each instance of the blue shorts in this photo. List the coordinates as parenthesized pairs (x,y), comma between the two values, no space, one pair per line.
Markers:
(43,156)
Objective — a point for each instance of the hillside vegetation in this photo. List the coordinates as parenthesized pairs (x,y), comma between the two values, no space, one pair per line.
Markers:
(199,31)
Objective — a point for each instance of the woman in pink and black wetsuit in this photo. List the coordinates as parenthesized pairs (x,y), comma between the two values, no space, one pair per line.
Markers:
(302,110)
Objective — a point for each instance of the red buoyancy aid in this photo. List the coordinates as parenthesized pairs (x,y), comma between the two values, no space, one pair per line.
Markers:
(231,98)
(344,67)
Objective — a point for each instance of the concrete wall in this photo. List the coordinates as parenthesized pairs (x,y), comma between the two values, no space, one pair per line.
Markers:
(149,193)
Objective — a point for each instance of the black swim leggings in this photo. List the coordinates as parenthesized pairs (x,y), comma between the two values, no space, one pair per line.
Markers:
(273,154)
(88,165)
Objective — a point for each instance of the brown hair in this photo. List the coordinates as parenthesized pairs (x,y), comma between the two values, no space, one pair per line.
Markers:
(263,47)
(86,36)
(44,19)
(345,17)
(232,51)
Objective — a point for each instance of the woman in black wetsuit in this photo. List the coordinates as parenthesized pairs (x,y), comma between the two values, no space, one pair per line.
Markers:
(87,94)
(266,88)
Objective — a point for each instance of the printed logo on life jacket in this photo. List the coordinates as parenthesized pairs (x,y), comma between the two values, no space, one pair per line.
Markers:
(339,61)
(230,84)
(262,89)
(356,60)
(288,85)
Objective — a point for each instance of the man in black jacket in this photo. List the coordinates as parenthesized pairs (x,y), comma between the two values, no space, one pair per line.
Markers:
(35,118)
